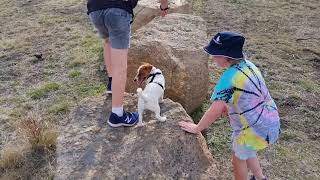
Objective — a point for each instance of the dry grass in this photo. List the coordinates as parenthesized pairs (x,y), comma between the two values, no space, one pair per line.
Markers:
(33,154)
(11,156)
(39,134)
(50,86)
(283,39)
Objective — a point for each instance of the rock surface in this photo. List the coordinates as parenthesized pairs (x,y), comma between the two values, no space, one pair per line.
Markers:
(147,10)
(175,45)
(89,149)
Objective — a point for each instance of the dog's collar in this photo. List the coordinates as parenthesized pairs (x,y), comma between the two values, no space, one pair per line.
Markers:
(153,75)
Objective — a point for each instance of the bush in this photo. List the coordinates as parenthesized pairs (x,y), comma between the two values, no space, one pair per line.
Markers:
(11,156)
(39,134)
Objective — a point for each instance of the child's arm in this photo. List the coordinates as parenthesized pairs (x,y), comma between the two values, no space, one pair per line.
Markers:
(213,113)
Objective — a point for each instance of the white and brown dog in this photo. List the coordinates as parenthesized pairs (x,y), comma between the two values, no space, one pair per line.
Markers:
(153,92)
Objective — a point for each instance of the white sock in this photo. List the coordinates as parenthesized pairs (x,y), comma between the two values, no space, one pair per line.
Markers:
(118,111)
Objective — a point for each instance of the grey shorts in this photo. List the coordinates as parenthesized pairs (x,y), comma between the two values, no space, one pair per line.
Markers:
(113,23)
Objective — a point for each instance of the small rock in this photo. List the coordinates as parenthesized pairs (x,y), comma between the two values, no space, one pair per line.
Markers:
(38,55)
(102,68)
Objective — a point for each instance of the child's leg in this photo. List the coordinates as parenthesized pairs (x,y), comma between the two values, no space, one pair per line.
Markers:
(119,76)
(240,169)
(107,56)
(254,166)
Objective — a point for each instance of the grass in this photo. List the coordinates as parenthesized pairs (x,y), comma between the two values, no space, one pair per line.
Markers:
(25,163)
(310,86)
(288,135)
(272,29)
(78,61)
(90,50)
(11,157)
(44,90)
(8,44)
(62,104)
(219,138)
(47,139)
(39,134)
(74,74)
(92,44)
(60,30)
(61,107)
(91,89)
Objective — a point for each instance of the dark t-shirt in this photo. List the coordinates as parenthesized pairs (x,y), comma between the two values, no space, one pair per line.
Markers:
(95,5)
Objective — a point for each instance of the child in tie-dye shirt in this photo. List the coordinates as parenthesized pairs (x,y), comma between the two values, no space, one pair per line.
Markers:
(242,93)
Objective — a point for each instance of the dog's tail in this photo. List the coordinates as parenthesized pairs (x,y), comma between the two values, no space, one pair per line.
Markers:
(140,94)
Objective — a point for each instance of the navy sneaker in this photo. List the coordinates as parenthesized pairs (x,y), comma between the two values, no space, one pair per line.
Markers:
(254,178)
(109,91)
(128,119)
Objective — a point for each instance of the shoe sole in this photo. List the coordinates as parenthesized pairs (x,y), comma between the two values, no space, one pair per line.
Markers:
(120,124)
(109,92)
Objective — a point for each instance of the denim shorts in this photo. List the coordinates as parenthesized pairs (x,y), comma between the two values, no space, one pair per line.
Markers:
(113,23)
(242,151)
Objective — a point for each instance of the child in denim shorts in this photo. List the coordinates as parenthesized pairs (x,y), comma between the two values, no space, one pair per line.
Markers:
(112,19)
(242,93)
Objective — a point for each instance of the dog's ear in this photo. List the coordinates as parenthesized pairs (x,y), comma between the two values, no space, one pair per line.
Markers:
(148,67)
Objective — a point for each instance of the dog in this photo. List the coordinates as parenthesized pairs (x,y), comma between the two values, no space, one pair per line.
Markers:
(153,92)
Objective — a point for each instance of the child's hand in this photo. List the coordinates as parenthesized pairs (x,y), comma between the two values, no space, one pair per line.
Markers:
(164,12)
(224,112)
(164,7)
(189,127)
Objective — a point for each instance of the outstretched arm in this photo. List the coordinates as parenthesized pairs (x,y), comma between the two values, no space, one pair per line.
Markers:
(212,114)
(164,5)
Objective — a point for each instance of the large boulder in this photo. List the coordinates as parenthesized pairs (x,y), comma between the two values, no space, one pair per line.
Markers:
(146,10)
(88,149)
(175,45)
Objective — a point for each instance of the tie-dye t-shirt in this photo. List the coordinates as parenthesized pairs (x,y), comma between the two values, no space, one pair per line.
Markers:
(252,112)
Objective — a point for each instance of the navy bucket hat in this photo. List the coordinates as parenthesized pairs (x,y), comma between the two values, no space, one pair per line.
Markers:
(227,44)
